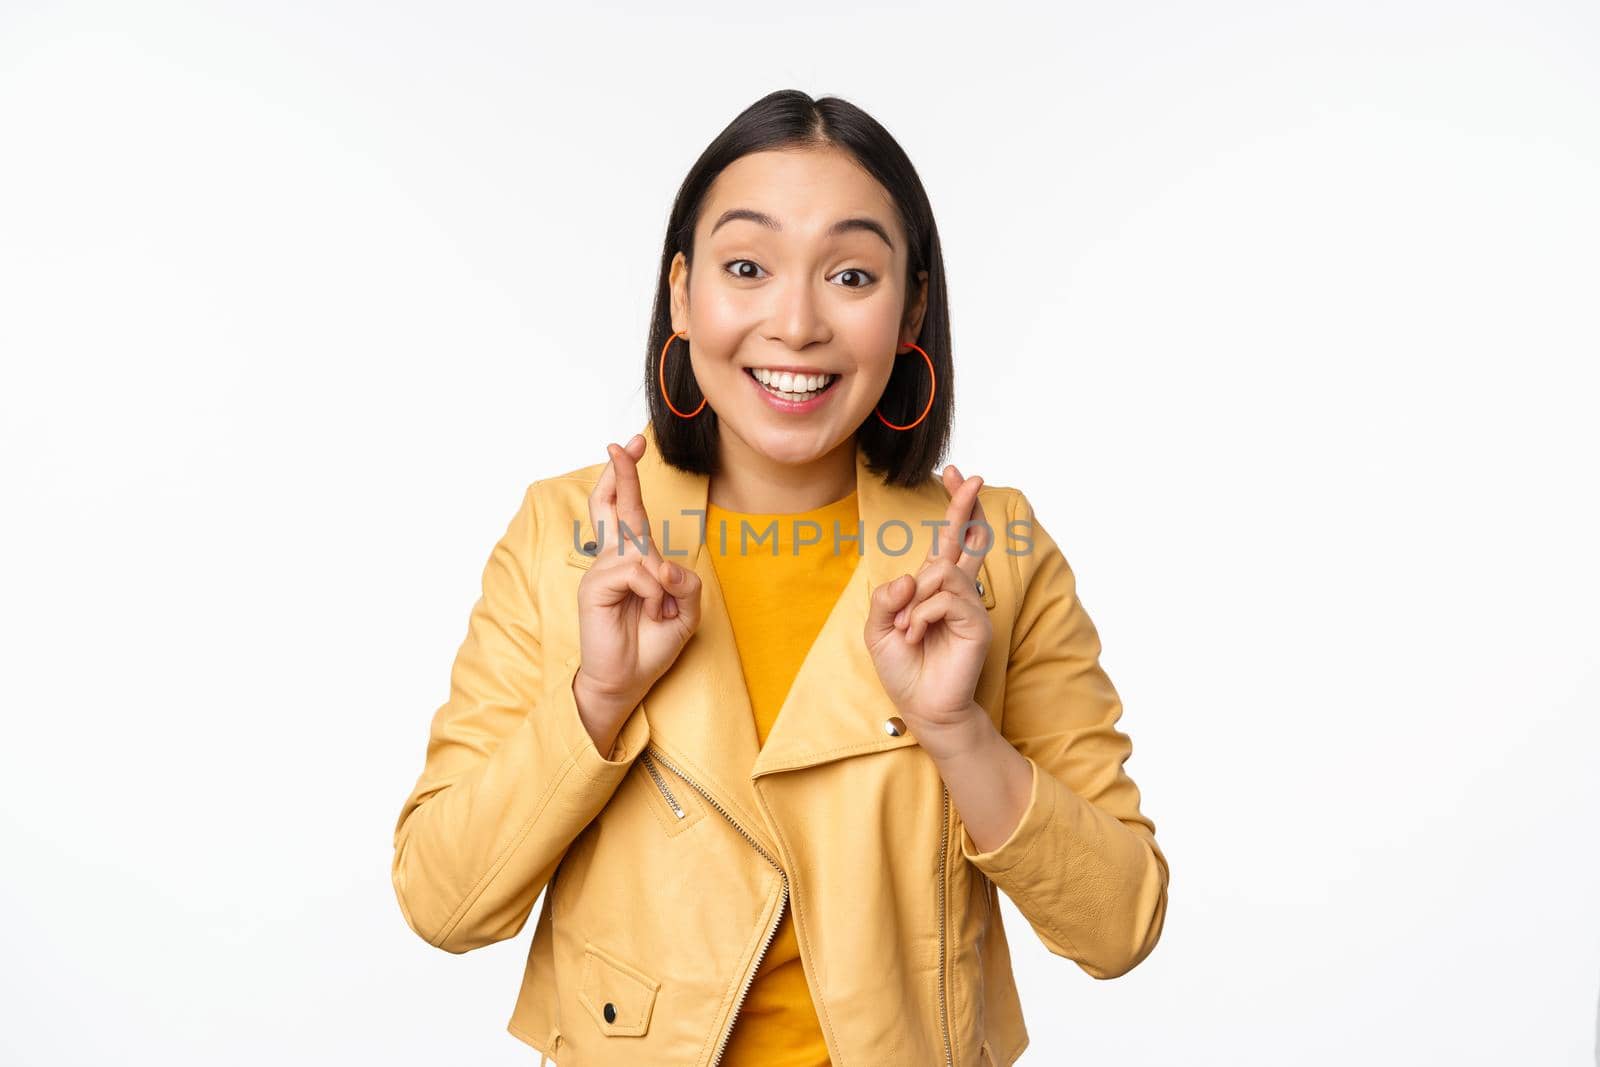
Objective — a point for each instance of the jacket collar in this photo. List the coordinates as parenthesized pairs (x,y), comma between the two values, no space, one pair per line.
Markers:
(699,710)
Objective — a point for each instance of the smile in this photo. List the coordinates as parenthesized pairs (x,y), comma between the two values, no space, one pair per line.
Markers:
(794,388)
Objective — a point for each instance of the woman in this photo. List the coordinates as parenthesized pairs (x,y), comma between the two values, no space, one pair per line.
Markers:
(755,702)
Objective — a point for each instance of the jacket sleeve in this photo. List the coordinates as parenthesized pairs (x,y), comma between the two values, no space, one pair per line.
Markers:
(1082,864)
(511,775)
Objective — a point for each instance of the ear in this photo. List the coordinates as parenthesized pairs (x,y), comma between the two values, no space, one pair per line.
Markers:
(678,286)
(919,307)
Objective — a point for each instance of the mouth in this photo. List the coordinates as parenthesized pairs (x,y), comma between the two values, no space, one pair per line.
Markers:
(792,388)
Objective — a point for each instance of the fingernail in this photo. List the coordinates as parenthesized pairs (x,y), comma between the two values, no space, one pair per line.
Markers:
(674,573)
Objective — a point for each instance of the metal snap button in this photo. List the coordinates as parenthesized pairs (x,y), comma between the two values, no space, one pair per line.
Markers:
(894,725)
(591,548)
(980,587)
(611,1012)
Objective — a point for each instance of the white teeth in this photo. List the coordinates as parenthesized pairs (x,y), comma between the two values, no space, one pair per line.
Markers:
(792,384)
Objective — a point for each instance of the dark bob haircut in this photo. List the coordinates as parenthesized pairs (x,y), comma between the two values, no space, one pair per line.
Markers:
(789,119)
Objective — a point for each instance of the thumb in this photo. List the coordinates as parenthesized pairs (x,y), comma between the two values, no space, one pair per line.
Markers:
(684,585)
(886,601)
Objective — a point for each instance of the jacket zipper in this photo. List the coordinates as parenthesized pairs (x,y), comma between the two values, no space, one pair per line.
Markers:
(944,1014)
(650,766)
(652,756)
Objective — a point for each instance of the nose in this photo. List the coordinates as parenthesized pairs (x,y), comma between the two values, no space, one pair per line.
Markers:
(797,319)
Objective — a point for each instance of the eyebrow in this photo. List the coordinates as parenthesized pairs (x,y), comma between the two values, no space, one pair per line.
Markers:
(761,218)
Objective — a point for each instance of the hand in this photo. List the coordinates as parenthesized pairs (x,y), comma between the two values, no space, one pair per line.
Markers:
(930,634)
(636,610)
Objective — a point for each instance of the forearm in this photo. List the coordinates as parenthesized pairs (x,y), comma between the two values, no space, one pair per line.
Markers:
(988,779)
(1092,885)
(475,847)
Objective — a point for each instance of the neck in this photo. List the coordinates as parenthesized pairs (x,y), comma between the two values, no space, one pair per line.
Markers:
(751,482)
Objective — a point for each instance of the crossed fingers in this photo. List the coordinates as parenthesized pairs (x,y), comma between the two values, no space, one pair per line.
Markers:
(617,505)
(959,547)
(618,502)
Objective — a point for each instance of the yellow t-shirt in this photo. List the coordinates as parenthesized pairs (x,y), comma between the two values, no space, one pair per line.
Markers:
(777,603)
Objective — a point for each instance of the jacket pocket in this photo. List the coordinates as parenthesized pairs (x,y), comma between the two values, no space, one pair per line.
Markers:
(617,994)
(988,1054)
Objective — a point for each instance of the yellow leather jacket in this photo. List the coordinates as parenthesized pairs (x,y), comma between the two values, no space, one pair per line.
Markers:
(666,863)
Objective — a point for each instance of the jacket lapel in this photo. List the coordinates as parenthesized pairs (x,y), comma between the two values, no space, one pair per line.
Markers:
(699,710)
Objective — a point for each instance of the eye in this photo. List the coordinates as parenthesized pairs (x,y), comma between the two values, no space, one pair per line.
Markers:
(859,274)
(739,274)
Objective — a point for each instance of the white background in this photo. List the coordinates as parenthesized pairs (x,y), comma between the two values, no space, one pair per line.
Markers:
(1284,315)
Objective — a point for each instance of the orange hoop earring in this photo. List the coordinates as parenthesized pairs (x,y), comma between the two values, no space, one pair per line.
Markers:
(663,376)
(932,385)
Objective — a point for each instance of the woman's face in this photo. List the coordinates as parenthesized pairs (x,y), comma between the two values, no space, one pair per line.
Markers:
(816,285)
